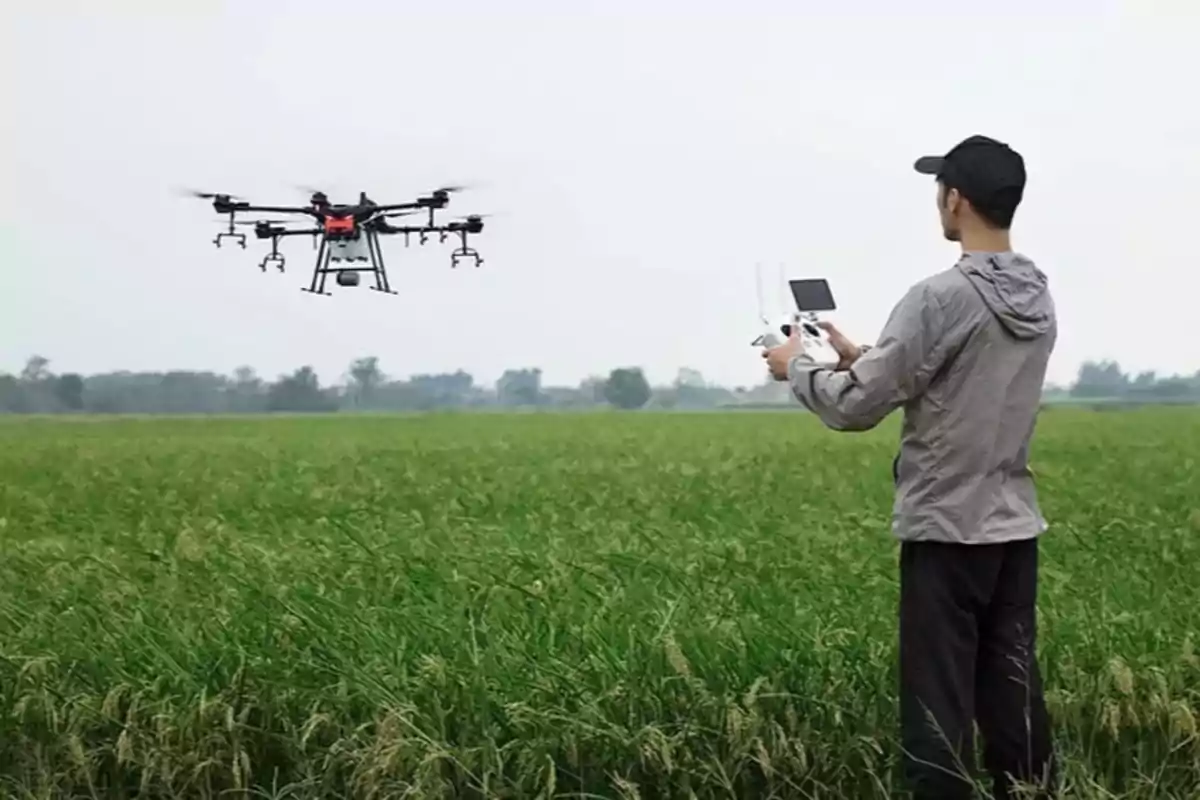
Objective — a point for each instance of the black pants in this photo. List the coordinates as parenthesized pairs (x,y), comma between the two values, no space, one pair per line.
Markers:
(967,639)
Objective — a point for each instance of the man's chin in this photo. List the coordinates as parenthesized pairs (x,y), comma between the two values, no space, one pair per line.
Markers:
(951,236)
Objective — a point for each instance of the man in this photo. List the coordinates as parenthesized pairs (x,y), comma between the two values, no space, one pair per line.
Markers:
(964,354)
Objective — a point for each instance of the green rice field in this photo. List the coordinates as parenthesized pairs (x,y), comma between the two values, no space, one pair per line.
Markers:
(547,606)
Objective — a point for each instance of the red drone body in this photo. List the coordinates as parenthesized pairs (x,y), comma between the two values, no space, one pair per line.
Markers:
(336,224)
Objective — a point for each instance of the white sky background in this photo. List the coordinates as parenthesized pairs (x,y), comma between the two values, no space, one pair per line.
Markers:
(643,155)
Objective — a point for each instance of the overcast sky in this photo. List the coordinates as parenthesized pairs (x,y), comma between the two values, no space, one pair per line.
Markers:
(642,157)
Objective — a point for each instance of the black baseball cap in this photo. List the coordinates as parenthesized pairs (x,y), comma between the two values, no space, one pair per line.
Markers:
(988,173)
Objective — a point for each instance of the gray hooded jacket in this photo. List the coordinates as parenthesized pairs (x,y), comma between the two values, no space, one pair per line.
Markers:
(964,353)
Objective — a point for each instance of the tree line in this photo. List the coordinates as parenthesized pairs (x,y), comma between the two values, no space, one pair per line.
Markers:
(37,389)
(1105,380)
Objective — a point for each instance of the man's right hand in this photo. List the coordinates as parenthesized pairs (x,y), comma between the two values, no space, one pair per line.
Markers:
(848,352)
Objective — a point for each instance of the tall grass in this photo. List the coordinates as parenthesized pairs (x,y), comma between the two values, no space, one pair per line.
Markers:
(641,606)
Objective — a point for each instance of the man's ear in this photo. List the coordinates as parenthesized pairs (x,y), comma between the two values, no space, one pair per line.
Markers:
(943,196)
(952,200)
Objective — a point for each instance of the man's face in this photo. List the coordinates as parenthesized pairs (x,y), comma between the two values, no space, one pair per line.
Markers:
(949,203)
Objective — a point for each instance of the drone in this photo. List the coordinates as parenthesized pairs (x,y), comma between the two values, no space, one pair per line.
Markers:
(346,237)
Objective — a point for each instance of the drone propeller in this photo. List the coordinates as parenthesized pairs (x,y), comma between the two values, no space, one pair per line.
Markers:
(399,213)
(259,222)
(314,195)
(470,220)
(208,195)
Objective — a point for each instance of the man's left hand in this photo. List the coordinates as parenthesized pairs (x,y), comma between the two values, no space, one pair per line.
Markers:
(779,357)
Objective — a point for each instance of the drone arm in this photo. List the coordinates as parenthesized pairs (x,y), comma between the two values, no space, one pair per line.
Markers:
(308,232)
(381,225)
(243,207)
(399,207)
(410,229)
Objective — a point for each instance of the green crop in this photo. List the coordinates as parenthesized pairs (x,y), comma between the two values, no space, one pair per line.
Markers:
(538,606)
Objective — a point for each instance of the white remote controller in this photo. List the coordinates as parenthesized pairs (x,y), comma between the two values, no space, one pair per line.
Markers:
(811,295)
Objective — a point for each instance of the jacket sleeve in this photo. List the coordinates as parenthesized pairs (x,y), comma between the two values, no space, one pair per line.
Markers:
(897,369)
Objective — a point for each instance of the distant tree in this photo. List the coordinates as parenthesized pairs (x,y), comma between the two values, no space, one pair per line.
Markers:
(591,389)
(183,392)
(520,387)
(425,392)
(68,390)
(627,388)
(691,390)
(1173,388)
(567,397)
(299,392)
(768,393)
(12,395)
(689,377)
(37,387)
(122,393)
(246,376)
(246,392)
(36,370)
(1100,379)
(365,379)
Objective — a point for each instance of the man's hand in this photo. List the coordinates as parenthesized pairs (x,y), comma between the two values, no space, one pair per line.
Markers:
(779,357)
(848,352)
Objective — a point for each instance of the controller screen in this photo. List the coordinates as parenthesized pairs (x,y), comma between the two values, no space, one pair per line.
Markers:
(812,294)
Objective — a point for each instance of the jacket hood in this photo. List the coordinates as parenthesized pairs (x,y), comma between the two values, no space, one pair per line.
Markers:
(1015,290)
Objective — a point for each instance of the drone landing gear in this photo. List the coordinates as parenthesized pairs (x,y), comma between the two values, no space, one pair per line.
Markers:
(320,271)
(347,276)
(231,234)
(463,253)
(381,279)
(274,257)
